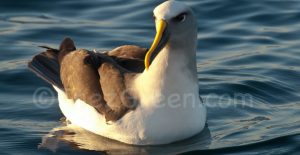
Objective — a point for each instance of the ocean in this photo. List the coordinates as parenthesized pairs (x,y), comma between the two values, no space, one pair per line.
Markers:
(248,60)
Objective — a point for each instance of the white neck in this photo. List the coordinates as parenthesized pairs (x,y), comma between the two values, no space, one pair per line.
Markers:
(173,72)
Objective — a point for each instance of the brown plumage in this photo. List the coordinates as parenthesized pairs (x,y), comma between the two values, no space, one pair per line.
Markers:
(99,79)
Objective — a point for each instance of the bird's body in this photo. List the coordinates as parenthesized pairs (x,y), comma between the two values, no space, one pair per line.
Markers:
(143,126)
(168,110)
(113,95)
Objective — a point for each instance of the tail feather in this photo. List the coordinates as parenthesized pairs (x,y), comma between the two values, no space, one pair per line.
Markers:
(47,64)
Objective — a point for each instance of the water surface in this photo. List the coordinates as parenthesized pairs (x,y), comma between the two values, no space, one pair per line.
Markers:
(248,69)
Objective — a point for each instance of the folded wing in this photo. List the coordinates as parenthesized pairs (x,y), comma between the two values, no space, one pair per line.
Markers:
(99,79)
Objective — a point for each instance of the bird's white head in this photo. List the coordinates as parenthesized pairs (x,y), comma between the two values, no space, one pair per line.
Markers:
(176,27)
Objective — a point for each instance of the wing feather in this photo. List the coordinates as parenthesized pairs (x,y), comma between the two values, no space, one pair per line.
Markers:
(101,80)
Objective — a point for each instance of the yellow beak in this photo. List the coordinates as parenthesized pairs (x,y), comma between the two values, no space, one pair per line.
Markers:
(160,28)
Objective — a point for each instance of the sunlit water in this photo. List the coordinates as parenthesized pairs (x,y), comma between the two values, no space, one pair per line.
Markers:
(248,69)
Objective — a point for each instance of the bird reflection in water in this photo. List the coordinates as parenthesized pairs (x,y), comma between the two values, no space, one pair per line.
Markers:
(78,138)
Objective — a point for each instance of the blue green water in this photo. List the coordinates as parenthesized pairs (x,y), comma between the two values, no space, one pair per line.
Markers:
(248,69)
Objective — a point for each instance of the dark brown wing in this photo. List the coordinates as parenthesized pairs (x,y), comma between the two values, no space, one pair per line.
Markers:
(81,80)
(128,52)
(99,79)
(114,85)
(102,79)
(130,57)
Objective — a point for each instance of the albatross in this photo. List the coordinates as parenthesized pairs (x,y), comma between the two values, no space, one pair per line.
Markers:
(131,94)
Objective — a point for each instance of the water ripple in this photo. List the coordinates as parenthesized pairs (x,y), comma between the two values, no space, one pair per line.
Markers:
(248,48)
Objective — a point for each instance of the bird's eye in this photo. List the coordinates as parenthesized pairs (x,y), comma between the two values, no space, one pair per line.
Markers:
(180,18)
(154,18)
